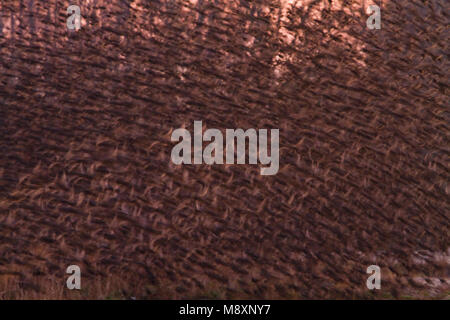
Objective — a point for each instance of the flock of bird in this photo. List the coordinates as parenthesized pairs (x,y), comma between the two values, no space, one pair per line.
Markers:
(85,171)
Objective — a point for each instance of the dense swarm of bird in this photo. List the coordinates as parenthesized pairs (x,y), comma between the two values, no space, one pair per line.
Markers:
(85,170)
